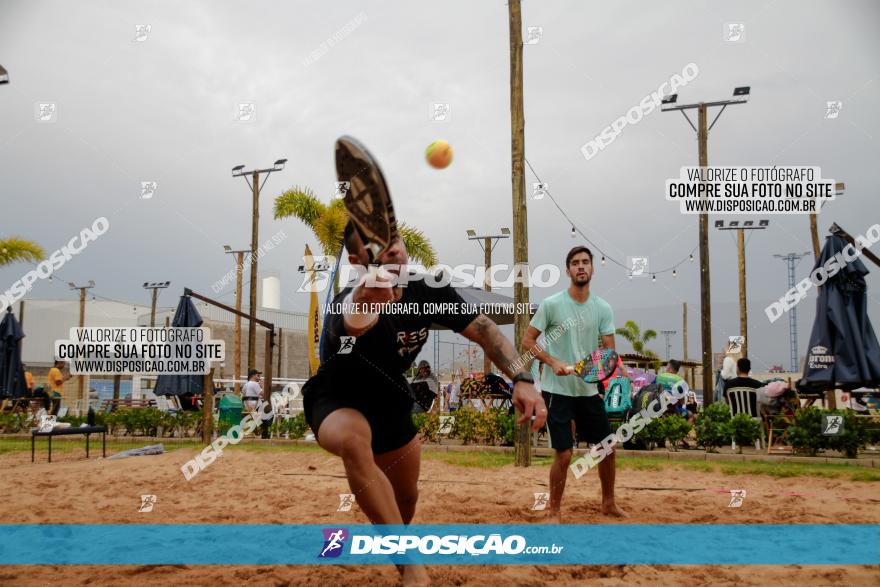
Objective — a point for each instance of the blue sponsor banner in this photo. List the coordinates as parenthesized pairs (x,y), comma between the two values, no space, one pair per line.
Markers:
(265,544)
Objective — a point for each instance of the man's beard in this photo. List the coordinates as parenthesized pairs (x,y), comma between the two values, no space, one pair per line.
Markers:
(582,281)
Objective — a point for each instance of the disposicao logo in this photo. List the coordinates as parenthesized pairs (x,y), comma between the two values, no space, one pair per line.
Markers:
(334,541)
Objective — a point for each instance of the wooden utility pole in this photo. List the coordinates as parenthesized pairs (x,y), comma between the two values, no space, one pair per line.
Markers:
(239,270)
(254,184)
(839,187)
(487,364)
(740,96)
(814,236)
(743,311)
(520,219)
(267,364)
(705,293)
(21,314)
(208,407)
(684,331)
(280,352)
(155,296)
(252,307)
(155,287)
(82,322)
(239,267)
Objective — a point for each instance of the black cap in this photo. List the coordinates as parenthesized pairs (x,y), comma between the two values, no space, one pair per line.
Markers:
(252,372)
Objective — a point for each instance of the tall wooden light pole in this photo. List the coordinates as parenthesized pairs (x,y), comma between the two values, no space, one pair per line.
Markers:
(520,218)
(82,323)
(239,269)
(741,228)
(256,186)
(488,242)
(155,287)
(702,129)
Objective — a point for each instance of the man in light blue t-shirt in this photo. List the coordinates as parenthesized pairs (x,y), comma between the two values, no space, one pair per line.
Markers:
(573,321)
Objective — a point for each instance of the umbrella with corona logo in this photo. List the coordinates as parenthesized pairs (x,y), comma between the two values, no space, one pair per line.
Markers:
(843,351)
(12,384)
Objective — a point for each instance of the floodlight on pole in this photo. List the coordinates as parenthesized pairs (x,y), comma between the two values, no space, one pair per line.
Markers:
(255,185)
(239,269)
(741,256)
(740,96)
(487,243)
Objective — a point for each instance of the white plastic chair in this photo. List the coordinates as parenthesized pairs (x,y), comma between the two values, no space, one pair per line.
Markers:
(744,400)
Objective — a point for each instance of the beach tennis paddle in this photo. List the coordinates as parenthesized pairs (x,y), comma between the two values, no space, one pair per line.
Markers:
(597,366)
(367,199)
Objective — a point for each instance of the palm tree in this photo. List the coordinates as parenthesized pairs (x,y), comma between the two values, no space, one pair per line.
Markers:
(637,339)
(327,222)
(14,249)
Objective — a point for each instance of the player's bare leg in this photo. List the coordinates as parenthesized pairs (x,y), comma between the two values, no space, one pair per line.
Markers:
(346,433)
(607,472)
(558,477)
(401,466)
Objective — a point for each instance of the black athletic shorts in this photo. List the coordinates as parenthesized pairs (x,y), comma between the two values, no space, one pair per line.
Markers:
(386,407)
(588,414)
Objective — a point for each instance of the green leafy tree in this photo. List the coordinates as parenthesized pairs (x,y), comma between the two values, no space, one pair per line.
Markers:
(14,250)
(638,339)
(327,223)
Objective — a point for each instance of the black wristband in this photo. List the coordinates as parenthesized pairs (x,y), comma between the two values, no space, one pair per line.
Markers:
(523,376)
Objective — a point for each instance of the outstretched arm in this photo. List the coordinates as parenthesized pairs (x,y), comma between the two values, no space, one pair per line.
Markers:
(485,333)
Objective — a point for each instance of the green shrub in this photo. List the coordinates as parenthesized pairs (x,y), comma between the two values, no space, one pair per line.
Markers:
(490,427)
(297,426)
(466,426)
(712,426)
(653,434)
(744,430)
(675,429)
(507,424)
(14,423)
(805,434)
(852,438)
(419,419)
(429,427)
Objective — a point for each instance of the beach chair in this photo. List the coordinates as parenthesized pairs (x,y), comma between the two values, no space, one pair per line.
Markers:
(744,400)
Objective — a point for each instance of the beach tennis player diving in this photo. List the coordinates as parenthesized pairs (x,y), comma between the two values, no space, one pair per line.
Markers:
(574,320)
(358,404)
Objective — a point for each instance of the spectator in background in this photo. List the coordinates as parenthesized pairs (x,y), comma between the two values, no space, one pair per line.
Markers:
(56,381)
(251,394)
(669,379)
(742,379)
(447,396)
(728,372)
(424,375)
(28,380)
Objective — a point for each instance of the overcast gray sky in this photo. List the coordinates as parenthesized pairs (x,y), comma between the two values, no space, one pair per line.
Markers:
(163,110)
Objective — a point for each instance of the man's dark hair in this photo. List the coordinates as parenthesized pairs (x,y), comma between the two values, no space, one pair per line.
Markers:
(348,237)
(575,251)
(675,365)
(744,365)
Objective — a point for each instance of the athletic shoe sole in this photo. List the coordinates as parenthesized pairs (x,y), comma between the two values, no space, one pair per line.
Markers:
(368,199)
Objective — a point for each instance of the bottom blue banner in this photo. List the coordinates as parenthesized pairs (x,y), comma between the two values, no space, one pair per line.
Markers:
(669,544)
